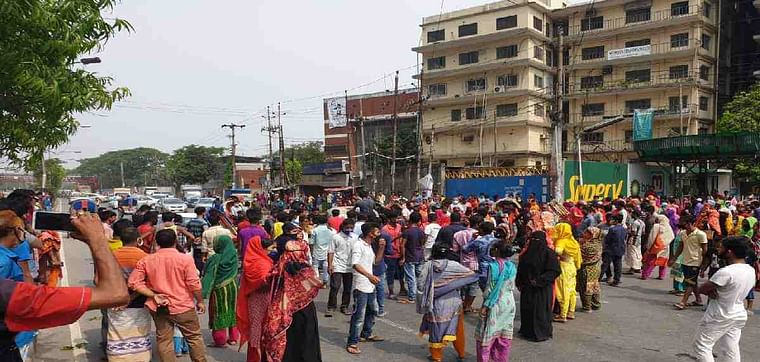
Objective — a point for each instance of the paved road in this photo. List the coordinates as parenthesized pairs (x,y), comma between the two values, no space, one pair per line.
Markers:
(636,323)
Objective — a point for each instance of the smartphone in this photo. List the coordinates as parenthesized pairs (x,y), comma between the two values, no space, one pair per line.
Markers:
(56,221)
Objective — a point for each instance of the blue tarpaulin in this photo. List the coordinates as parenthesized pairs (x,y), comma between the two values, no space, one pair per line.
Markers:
(642,124)
(501,186)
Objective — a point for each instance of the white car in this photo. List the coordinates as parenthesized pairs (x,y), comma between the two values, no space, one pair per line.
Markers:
(205,202)
(146,200)
(172,205)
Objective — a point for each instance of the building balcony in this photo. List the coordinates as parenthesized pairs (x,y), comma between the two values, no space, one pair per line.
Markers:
(708,146)
(643,53)
(625,24)
(480,39)
(492,95)
(524,119)
(660,113)
(622,86)
(484,67)
(592,147)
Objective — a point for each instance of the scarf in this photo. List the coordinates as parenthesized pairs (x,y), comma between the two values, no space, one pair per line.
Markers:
(501,270)
(221,266)
(565,243)
(440,275)
(591,248)
(257,267)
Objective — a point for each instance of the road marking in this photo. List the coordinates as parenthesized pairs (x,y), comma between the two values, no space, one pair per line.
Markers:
(75,330)
(396,325)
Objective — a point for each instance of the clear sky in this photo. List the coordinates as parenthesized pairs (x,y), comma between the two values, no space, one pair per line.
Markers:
(193,65)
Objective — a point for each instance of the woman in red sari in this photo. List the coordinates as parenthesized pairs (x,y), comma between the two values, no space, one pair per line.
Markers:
(254,297)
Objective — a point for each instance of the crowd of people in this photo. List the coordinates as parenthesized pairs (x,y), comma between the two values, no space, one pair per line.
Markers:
(260,269)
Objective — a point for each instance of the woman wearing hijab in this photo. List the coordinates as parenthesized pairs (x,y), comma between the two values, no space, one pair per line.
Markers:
(570,261)
(220,287)
(440,303)
(291,330)
(591,269)
(254,296)
(658,248)
(536,271)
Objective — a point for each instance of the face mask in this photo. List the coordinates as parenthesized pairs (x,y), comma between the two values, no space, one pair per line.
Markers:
(347,231)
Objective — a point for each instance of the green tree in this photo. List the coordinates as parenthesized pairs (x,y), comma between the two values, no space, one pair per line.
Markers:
(406,147)
(307,153)
(294,171)
(742,115)
(41,88)
(55,173)
(194,164)
(142,167)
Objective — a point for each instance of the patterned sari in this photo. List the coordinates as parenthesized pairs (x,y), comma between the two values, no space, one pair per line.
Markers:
(220,284)
(591,269)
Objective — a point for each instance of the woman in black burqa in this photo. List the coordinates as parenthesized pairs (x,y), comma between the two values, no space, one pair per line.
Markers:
(537,268)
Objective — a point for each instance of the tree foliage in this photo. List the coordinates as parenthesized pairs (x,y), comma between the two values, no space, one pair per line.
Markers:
(406,147)
(142,167)
(742,114)
(194,164)
(307,153)
(294,171)
(41,88)
(54,169)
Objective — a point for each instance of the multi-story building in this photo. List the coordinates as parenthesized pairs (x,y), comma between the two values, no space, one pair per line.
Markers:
(487,81)
(739,53)
(622,55)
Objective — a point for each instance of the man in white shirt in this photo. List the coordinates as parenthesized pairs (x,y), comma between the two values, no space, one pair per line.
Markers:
(693,247)
(339,268)
(431,231)
(725,316)
(216,230)
(365,303)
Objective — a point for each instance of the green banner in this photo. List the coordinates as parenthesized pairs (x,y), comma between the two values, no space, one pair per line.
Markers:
(642,124)
(602,179)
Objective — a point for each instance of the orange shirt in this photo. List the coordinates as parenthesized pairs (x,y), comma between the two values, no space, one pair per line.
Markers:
(128,256)
(168,272)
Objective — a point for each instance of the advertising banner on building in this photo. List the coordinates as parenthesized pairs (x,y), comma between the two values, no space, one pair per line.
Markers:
(336,112)
(501,186)
(629,52)
(601,179)
(644,179)
(642,124)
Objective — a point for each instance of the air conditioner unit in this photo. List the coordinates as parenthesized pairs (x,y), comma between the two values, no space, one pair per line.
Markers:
(468,138)
(428,140)
(607,70)
(498,89)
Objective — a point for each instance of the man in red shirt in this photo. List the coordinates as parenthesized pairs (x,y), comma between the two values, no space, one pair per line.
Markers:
(335,220)
(26,306)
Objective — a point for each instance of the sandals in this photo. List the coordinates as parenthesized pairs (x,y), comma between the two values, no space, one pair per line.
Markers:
(695,304)
(372,339)
(679,306)
(559,320)
(353,349)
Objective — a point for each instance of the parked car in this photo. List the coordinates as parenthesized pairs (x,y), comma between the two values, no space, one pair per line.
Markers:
(206,202)
(191,201)
(159,195)
(146,200)
(171,204)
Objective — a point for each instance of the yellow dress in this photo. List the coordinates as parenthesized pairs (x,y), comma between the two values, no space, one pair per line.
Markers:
(569,252)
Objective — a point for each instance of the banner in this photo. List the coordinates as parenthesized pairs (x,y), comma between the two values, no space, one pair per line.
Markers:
(507,186)
(336,112)
(600,179)
(426,185)
(629,52)
(642,124)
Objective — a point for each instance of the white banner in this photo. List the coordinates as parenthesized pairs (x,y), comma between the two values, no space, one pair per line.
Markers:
(629,52)
(336,112)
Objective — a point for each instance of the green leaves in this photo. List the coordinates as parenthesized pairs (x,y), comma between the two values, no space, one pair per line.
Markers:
(194,164)
(742,115)
(142,167)
(41,87)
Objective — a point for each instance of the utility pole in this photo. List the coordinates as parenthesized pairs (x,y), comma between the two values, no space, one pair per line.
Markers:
(395,131)
(269,129)
(232,128)
(419,123)
(364,145)
(283,180)
(121,166)
(44,172)
(557,123)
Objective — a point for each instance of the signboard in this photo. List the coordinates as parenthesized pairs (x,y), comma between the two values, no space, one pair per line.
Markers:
(336,112)
(601,179)
(333,180)
(629,52)
(500,186)
(643,179)
(642,124)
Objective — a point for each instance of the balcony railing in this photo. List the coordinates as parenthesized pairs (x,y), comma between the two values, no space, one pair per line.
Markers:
(654,49)
(700,146)
(632,20)
(659,112)
(655,80)
(599,146)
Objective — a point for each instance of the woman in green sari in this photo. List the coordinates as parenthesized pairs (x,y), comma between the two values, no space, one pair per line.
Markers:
(220,285)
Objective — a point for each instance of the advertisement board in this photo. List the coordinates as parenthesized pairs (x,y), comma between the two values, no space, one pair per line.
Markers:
(501,186)
(629,52)
(643,179)
(601,179)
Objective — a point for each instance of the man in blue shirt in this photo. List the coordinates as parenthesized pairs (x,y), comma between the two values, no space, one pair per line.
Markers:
(382,248)
(614,249)
(482,246)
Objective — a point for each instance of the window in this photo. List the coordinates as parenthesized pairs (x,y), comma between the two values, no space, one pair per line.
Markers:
(679,8)
(592,81)
(592,137)
(641,75)
(456,115)
(638,15)
(637,43)
(592,109)
(468,58)
(538,109)
(637,104)
(592,52)
(474,85)
(336,149)
(474,113)
(506,22)
(538,52)
(437,63)
(468,29)
(538,24)
(538,81)
(628,136)
(509,51)
(679,71)
(706,9)
(596,22)
(507,80)
(704,72)
(703,103)
(673,105)
(679,40)
(506,110)
(437,89)
(436,35)
(706,39)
